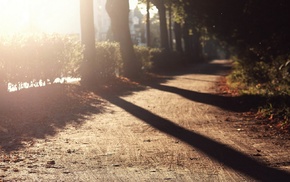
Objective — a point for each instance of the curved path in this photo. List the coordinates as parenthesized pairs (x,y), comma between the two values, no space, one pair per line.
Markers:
(178,130)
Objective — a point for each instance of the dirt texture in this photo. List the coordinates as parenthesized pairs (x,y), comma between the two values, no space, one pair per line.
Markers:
(178,128)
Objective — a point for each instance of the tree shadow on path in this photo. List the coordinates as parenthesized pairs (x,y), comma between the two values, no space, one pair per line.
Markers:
(214,67)
(237,104)
(215,150)
(37,113)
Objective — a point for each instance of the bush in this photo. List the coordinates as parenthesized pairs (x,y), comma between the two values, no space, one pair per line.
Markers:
(108,59)
(159,59)
(31,58)
(163,60)
(270,80)
(110,64)
(280,76)
(143,56)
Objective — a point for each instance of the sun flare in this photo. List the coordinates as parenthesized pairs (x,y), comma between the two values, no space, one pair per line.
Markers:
(34,16)
(39,16)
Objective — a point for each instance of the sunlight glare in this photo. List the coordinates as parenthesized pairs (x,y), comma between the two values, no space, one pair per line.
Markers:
(143,9)
(133,4)
(18,16)
(42,16)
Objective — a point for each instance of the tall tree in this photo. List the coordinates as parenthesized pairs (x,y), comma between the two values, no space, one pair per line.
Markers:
(188,41)
(177,18)
(148,32)
(178,36)
(88,40)
(118,11)
(170,25)
(160,5)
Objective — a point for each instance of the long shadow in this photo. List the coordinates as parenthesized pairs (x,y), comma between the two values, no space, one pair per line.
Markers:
(237,104)
(215,150)
(241,103)
(213,67)
(37,113)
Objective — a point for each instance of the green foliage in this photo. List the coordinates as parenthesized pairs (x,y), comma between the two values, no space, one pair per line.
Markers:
(163,60)
(108,59)
(246,26)
(276,110)
(143,56)
(158,58)
(110,63)
(31,58)
(46,57)
(270,80)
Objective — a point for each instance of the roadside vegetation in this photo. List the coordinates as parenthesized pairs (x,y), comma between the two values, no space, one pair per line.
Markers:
(269,81)
(38,60)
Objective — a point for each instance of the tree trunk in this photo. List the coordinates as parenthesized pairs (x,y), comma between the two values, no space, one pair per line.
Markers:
(163,24)
(118,10)
(148,33)
(197,47)
(170,27)
(88,40)
(178,37)
(188,43)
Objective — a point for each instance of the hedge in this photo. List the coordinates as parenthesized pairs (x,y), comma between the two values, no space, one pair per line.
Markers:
(31,58)
(34,58)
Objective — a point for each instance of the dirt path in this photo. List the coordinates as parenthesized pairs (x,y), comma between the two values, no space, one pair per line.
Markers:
(179,130)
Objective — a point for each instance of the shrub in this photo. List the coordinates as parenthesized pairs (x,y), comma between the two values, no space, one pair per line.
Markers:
(59,56)
(280,76)
(158,58)
(108,59)
(164,60)
(270,78)
(143,56)
(267,79)
(31,58)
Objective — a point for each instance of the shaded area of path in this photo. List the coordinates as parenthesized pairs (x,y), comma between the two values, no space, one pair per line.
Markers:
(37,113)
(236,104)
(215,150)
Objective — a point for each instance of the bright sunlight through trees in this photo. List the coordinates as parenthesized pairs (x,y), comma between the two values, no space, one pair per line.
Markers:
(34,16)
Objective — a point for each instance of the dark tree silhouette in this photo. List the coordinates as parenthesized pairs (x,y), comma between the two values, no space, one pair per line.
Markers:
(88,40)
(118,11)
(178,36)
(148,32)
(160,4)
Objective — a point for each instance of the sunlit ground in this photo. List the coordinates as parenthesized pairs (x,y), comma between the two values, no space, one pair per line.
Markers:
(13,87)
